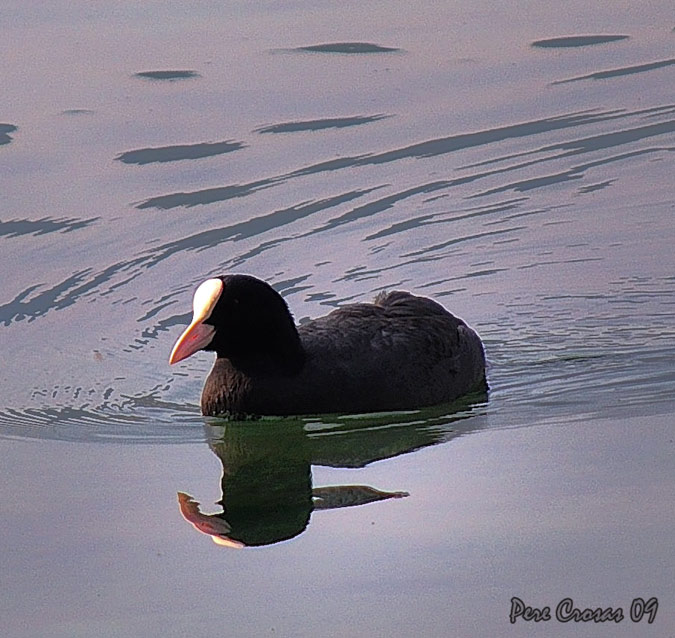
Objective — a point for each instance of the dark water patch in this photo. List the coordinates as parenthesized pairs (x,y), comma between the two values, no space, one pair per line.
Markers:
(333,440)
(573,173)
(582,382)
(167,423)
(519,215)
(5,130)
(18,309)
(262,247)
(64,294)
(379,248)
(33,303)
(421,150)
(336,164)
(336,302)
(205,196)
(443,218)
(613,73)
(385,203)
(362,273)
(319,296)
(43,226)
(77,112)
(525,185)
(290,286)
(658,112)
(28,305)
(404,226)
(178,152)
(433,198)
(430,284)
(382,204)
(252,227)
(594,142)
(317,125)
(583,145)
(452,143)
(347,47)
(590,188)
(368,274)
(462,141)
(624,156)
(481,273)
(457,240)
(450,292)
(167,75)
(164,325)
(157,305)
(273,243)
(356,273)
(577,41)
(394,285)
(560,262)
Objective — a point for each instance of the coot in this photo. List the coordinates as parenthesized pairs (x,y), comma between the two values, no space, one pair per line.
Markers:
(399,352)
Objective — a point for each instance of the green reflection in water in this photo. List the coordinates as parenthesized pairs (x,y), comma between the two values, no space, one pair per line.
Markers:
(266,483)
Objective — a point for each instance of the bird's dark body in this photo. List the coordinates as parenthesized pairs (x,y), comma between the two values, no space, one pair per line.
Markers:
(400,352)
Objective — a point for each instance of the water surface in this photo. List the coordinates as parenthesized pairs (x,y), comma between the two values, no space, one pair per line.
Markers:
(519,171)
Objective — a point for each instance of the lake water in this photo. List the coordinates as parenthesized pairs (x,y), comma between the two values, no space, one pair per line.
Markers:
(513,162)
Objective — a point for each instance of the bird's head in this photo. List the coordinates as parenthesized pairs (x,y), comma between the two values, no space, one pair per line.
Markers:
(238,316)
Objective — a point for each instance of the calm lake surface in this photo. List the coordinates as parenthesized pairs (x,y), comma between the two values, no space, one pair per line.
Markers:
(513,162)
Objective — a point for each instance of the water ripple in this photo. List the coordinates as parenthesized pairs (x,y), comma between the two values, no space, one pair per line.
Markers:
(178,152)
(441,146)
(613,73)
(318,125)
(344,221)
(5,130)
(167,75)
(204,196)
(347,47)
(577,41)
(42,226)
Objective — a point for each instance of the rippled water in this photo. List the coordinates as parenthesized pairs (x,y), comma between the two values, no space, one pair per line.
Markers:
(517,168)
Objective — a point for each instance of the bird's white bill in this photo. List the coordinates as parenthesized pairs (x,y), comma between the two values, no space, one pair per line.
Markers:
(206,297)
(196,336)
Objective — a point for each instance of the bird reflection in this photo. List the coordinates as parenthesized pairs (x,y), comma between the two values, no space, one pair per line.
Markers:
(267,491)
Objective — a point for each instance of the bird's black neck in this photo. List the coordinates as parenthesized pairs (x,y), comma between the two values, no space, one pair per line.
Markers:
(276,350)
(235,381)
